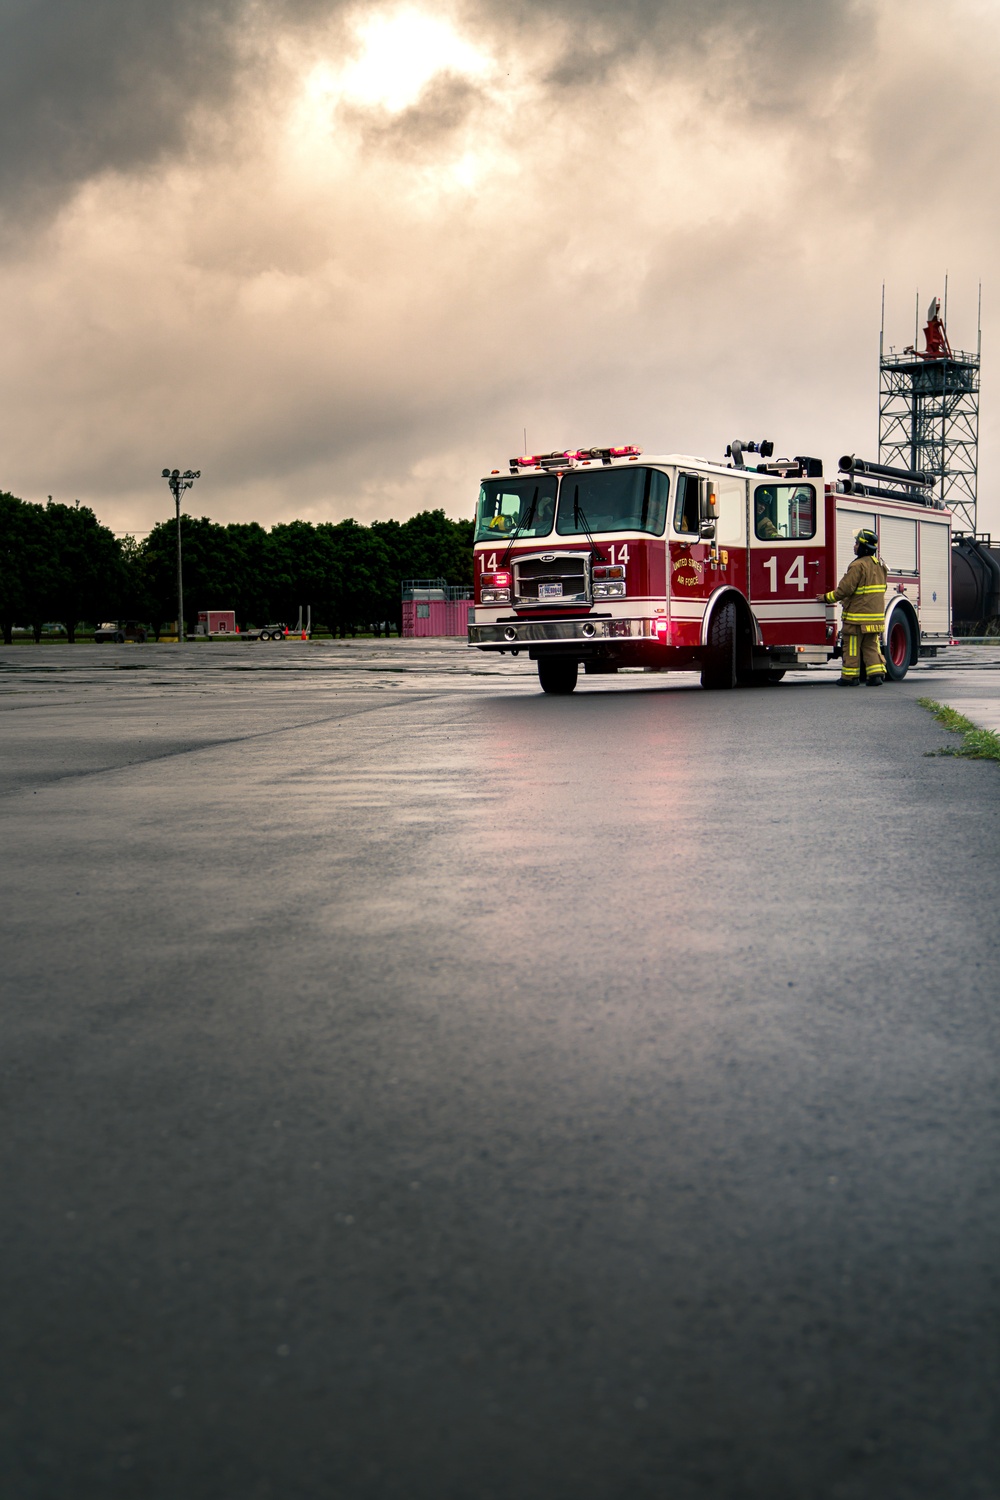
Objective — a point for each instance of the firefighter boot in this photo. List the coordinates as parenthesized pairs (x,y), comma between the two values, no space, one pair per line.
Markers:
(871,656)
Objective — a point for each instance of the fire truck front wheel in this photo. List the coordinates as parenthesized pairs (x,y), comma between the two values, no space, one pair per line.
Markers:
(556,674)
(718,670)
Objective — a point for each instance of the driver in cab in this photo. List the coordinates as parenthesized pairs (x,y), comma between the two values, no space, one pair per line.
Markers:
(765,526)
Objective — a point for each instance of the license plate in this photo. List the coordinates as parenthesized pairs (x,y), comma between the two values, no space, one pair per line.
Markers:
(550,591)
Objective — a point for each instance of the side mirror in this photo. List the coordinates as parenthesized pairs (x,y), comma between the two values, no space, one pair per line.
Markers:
(708,509)
(706,531)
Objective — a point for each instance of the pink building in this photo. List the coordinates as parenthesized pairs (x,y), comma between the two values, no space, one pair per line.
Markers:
(432,607)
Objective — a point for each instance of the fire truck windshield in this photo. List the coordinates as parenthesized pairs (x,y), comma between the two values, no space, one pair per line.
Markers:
(524,506)
(625,499)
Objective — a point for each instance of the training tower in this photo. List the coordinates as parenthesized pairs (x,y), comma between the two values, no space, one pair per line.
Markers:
(928,411)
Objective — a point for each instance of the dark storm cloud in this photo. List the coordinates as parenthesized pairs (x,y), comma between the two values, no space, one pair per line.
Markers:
(87,85)
(772,36)
(788,25)
(444,105)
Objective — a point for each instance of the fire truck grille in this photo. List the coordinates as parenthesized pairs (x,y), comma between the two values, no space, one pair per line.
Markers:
(552,580)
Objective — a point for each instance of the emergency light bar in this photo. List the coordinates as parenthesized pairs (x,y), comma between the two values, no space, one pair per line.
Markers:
(571,457)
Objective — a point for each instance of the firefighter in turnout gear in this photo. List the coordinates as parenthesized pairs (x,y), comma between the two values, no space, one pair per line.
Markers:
(861,591)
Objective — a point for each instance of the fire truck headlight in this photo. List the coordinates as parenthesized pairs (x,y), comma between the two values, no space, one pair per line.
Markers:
(609,581)
(494,588)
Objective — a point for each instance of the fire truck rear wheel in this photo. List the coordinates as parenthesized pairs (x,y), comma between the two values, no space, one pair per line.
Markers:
(898,646)
(557,675)
(718,670)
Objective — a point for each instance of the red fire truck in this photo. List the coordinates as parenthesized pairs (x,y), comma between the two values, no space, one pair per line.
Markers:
(609,558)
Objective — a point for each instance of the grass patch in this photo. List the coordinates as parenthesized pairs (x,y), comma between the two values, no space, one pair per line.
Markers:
(977,744)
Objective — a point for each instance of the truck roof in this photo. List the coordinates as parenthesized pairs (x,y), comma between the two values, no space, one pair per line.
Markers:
(718,464)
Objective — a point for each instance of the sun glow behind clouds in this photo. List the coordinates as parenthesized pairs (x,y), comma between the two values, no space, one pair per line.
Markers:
(400,53)
(396,58)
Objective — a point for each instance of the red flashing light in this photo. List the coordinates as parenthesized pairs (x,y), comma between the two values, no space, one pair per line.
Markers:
(572,456)
(661,629)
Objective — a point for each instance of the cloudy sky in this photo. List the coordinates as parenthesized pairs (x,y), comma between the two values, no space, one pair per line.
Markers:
(341,256)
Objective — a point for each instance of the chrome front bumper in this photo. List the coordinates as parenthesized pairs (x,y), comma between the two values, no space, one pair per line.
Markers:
(582,632)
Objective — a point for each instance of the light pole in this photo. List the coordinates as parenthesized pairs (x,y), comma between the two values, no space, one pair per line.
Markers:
(178,483)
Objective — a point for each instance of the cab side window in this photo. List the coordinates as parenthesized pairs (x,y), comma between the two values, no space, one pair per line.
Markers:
(686,504)
(785,512)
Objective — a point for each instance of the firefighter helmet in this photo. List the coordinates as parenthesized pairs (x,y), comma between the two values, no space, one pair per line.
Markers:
(866,542)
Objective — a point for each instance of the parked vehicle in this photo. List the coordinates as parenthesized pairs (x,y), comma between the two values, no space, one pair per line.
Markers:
(121,631)
(301,631)
(216,622)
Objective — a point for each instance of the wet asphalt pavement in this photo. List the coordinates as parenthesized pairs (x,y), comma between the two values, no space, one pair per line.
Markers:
(417,1088)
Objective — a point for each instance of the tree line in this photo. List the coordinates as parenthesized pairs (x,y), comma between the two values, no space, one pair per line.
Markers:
(58,563)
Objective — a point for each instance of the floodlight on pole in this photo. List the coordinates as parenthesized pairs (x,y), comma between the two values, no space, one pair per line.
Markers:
(178,483)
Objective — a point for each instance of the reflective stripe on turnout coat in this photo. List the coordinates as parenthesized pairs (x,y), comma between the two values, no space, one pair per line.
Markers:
(862,593)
